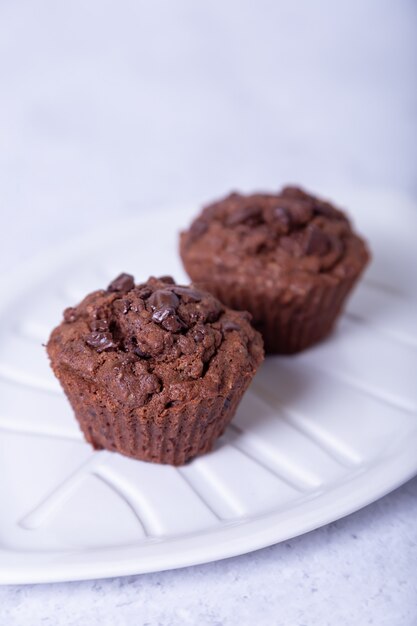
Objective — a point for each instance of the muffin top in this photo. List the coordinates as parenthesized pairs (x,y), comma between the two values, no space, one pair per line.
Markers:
(273,238)
(155,342)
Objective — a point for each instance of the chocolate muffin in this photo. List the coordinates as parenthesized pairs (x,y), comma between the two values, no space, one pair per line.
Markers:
(290,258)
(154,371)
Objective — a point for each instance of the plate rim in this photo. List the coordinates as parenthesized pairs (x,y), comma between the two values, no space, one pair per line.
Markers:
(232,540)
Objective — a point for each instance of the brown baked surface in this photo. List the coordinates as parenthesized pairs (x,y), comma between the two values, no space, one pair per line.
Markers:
(154,371)
(275,251)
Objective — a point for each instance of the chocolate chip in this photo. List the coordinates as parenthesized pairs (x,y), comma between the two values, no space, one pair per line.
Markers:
(70,315)
(163,298)
(99,325)
(124,283)
(244,214)
(316,242)
(167,279)
(139,352)
(161,314)
(199,332)
(188,294)
(173,323)
(100,341)
(227,326)
(166,316)
(144,292)
(121,306)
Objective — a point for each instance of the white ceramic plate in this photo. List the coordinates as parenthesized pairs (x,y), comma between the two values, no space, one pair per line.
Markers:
(318,435)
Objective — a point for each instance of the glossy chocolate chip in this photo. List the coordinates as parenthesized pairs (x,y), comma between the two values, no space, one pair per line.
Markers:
(163,298)
(166,316)
(121,306)
(188,294)
(199,332)
(100,341)
(141,353)
(161,314)
(99,325)
(70,315)
(173,323)
(123,283)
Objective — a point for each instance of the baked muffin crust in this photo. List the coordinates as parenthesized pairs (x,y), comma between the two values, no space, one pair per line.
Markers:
(281,248)
(135,361)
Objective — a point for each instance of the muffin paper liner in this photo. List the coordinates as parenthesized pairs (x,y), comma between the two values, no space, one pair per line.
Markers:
(175,436)
(287,327)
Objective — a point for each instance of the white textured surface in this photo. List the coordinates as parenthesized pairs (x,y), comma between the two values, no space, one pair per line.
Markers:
(111,109)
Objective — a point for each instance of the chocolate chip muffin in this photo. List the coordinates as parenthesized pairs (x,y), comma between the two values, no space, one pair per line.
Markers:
(154,371)
(290,258)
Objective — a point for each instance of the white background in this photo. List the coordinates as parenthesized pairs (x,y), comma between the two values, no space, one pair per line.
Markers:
(112,108)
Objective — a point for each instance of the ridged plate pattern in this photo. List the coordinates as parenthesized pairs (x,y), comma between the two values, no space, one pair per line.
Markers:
(317,436)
